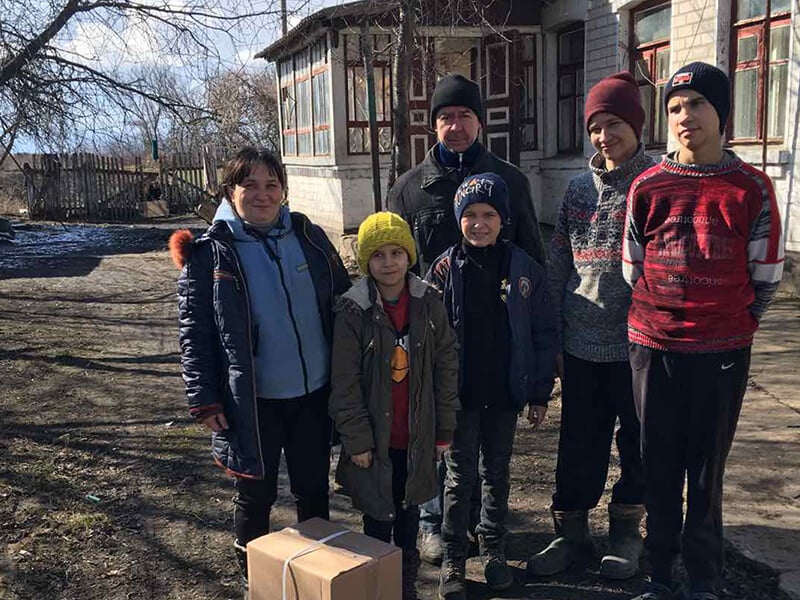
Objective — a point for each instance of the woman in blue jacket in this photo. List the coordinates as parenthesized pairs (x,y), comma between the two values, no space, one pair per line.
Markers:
(255,299)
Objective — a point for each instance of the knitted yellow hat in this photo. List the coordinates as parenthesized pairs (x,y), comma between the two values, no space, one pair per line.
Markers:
(380,229)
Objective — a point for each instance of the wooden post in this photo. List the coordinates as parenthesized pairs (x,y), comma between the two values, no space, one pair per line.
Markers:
(91,188)
(119,176)
(765,95)
(369,72)
(140,189)
(103,182)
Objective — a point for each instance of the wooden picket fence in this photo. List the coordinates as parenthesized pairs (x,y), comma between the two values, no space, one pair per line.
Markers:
(89,187)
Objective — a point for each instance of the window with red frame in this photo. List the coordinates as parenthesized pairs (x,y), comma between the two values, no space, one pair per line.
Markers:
(288,107)
(304,103)
(650,27)
(753,61)
(358,141)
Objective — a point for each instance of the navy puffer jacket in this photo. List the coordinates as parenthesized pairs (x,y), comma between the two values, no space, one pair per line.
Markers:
(530,315)
(217,333)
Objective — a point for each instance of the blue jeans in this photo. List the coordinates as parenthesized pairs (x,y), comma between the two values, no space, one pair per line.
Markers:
(430,512)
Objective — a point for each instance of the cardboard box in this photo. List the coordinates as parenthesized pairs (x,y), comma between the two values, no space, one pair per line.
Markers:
(345,566)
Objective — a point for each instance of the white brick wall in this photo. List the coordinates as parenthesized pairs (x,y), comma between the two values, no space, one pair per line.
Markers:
(338,197)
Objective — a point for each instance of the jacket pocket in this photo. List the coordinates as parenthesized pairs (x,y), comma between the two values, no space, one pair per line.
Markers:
(362,485)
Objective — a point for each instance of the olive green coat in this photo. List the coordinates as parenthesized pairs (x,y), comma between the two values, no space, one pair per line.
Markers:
(361,393)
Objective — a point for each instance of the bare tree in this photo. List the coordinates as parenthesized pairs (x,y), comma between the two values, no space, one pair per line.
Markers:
(244,108)
(66,65)
(401,148)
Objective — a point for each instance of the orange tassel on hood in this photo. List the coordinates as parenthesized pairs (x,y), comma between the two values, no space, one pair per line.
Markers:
(180,244)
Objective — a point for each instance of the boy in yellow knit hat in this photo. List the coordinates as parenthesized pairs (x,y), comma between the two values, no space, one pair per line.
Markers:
(394,381)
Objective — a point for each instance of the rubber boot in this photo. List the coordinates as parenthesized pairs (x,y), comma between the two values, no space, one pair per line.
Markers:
(573,541)
(241,559)
(453,577)
(495,568)
(624,541)
(411,562)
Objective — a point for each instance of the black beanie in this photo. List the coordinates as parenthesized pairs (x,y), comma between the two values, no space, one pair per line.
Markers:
(456,90)
(488,188)
(708,80)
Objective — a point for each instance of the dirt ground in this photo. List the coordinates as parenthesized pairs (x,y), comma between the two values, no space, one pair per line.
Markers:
(107,489)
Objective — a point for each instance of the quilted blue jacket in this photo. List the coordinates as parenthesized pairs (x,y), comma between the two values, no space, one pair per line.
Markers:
(216,334)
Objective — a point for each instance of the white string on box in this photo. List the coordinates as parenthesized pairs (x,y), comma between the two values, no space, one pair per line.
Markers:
(306,550)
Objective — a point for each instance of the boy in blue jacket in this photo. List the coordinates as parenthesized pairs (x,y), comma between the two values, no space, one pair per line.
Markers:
(497,302)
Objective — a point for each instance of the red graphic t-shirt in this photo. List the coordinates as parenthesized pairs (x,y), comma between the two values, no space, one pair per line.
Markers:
(398,315)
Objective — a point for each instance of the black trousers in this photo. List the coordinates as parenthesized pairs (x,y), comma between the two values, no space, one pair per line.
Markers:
(301,428)
(487,434)
(689,406)
(405,526)
(430,512)
(594,395)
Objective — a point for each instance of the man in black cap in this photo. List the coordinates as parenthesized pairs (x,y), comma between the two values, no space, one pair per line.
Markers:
(423,196)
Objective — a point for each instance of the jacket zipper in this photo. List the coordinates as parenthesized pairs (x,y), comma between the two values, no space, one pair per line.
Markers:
(249,347)
(277,260)
(413,449)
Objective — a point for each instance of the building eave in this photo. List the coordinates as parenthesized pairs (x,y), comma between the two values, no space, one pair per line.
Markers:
(506,15)
(334,17)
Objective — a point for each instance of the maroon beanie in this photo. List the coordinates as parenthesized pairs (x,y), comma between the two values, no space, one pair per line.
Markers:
(617,94)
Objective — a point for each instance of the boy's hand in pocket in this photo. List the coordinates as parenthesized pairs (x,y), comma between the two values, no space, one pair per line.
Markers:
(363,460)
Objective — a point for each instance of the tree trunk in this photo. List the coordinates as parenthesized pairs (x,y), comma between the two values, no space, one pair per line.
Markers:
(14,65)
(401,142)
(369,72)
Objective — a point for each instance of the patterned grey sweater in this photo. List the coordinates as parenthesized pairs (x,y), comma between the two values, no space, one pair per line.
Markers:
(591,297)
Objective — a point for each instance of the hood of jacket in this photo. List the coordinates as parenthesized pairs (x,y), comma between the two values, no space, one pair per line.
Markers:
(364,293)
(241,231)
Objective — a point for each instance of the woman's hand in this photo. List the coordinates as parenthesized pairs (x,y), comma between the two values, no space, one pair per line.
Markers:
(363,460)
(216,422)
(536,413)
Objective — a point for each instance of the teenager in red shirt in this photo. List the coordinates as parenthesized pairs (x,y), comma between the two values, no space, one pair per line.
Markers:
(703,251)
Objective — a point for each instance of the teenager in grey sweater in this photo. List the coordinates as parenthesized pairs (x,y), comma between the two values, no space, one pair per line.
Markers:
(591,300)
